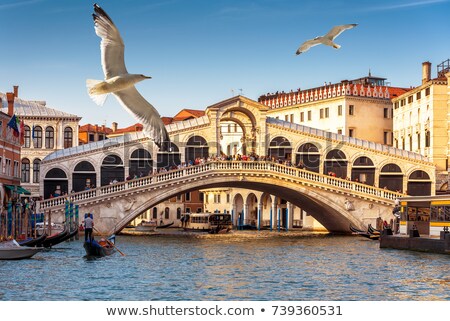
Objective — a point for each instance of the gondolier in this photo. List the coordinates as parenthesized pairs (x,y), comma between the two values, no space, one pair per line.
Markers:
(88,226)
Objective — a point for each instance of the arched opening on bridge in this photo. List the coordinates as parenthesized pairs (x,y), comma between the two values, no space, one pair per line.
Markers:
(391,178)
(251,210)
(231,133)
(280,148)
(308,156)
(335,163)
(140,163)
(112,170)
(55,183)
(266,207)
(196,147)
(238,205)
(83,176)
(419,183)
(170,158)
(363,171)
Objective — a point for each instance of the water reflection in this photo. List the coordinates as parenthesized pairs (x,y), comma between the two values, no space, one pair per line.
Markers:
(230,267)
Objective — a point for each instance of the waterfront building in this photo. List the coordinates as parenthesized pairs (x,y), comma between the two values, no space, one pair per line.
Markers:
(358,108)
(92,133)
(45,130)
(421,118)
(9,156)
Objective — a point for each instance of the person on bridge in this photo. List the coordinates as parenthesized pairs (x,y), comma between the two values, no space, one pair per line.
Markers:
(88,227)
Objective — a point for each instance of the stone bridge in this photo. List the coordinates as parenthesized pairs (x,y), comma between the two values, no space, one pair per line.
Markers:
(334,202)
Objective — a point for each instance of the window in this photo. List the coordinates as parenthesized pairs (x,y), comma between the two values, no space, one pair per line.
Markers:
(418,141)
(427,139)
(36,170)
(396,105)
(403,102)
(25,170)
(216,198)
(27,137)
(302,117)
(201,196)
(351,109)
(339,131)
(418,95)
(228,198)
(286,117)
(8,167)
(340,110)
(351,132)
(410,142)
(37,137)
(321,113)
(386,112)
(403,143)
(427,91)
(166,213)
(16,169)
(327,112)
(68,137)
(235,128)
(187,197)
(188,209)
(179,198)
(155,213)
(49,138)
(291,118)
(91,137)
(386,138)
(309,115)
(410,99)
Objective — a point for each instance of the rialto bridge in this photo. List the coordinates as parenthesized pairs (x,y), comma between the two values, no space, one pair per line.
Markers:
(340,179)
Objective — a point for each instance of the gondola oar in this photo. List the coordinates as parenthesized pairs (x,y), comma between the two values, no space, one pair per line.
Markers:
(111,243)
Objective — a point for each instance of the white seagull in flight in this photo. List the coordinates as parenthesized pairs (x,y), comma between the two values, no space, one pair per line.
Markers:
(120,83)
(325,40)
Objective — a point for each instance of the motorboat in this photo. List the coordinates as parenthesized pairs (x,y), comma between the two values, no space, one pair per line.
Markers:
(11,250)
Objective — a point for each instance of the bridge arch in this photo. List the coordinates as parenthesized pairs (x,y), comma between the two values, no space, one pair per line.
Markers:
(83,176)
(391,177)
(112,169)
(308,155)
(335,163)
(140,162)
(55,182)
(363,170)
(196,147)
(419,183)
(169,158)
(280,147)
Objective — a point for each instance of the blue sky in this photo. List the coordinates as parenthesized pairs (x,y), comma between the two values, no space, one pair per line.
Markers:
(202,52)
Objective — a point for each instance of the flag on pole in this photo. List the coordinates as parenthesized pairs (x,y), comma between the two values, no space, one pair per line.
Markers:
(14,124)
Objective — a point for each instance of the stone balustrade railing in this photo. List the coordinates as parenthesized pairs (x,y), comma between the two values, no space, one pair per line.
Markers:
(226,167)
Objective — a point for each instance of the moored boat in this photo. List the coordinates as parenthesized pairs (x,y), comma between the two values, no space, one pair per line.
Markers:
(102,248)
(11,250)
(215,223)
(165,225)
(30,242)
(146,226)
(55,238)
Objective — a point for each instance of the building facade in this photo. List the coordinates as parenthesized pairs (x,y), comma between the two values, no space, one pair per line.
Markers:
(421,120)
(45,131)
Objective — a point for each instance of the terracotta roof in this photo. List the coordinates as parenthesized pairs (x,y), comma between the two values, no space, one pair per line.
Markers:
(167,120)
(94,129)
(130,129)
(187,114)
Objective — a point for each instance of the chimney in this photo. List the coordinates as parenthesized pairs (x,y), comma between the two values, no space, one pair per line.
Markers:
(10,97)
(426,71)
(16,91)
(114,127)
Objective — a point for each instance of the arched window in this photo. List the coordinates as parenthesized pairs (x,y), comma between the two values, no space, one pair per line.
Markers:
(196,147)
(55,183)
(49,138)
(391,178)
(335,163)
(37,137)
(25,170)
(427,139)
(155,213)
(169,158)
(419,183)
(363,170)
(308,157)
(27,137)
(140,163)
(112,170)
(83,177)
(36,170)
(166,213)
(178,213)
(68,137)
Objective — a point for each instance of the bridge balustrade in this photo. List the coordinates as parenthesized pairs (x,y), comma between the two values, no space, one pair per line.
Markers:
(242,167)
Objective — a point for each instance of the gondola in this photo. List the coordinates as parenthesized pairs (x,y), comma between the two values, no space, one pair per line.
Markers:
(165,225)
(56,238)
(364,234)
(101,248)
(373,230)
(31,242)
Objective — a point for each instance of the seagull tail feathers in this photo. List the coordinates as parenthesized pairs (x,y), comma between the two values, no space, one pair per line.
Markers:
(91,85)
(336,46)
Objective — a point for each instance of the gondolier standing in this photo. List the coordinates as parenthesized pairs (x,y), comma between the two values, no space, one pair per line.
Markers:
(88,226)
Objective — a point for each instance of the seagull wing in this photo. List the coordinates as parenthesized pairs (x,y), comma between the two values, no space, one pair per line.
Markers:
(308,44)
(112,47)
(145,113)
(336,31)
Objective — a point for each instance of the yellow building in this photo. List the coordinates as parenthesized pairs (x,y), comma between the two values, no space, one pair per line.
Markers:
(421,118)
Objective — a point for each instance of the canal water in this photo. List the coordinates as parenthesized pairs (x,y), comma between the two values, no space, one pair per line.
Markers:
(239,266)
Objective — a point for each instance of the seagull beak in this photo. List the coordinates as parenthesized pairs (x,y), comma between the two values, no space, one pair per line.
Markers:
(148,77)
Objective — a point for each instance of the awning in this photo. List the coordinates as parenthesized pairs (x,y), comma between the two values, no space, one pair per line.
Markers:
(18,189)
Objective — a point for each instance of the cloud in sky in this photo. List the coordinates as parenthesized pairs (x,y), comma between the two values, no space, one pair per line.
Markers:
(405,5)
(18,4)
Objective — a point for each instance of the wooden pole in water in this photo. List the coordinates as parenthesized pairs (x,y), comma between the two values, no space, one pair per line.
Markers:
(49,222)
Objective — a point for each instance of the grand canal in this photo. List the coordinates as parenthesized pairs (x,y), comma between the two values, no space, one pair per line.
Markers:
(239,266)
